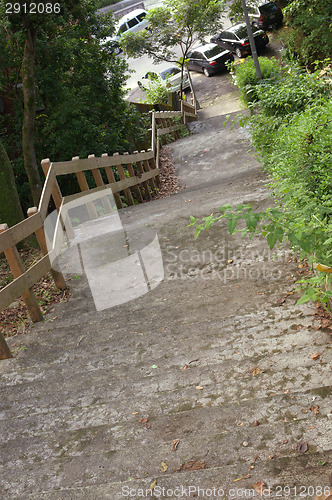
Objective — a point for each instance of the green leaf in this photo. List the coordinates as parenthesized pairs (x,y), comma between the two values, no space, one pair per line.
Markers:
(232,223)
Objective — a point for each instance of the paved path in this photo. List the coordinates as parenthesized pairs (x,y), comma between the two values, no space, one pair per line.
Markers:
(92,404)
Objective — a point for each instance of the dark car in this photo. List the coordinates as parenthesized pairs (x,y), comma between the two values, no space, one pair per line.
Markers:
(236,39)
(265,14)
(209,59)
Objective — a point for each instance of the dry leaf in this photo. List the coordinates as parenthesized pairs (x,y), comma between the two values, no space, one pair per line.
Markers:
(315,355)
(164,466)
(175,444)
(255,371)
(315,409)
(152,486)
(143,420)
(285,441)
(193,465)
(242,424)
(324,497)
(259,487)
(302,447)
(199,388)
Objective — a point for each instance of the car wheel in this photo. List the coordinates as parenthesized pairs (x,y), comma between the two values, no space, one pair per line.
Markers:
(206,72)
(238,52)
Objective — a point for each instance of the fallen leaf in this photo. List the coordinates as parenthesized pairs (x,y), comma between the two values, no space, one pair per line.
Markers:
(199,388)
(148,426)
(315,355)
(247,476)
(152,486)
(255,371)
(143,420)
(302,447)
(175,444)
(259,487)
(281,301)
(242,424)
(285,441)
(324,497)
(315,409)
(154,366)
(193,465)
(321,463)
(164,466)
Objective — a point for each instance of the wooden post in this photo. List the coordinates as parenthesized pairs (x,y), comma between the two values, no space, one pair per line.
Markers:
(56,193)
(4,349)
(40,235)
(99,182)
(136,189)
(122,176)
(17,268)
(93,214)
(57,197)
(153,166)
(111,180)
(147,169)
(140,169)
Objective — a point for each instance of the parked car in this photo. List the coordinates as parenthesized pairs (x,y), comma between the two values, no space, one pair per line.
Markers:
(236,39)
(265,14)
(209,59)
(134,21)
(170,78)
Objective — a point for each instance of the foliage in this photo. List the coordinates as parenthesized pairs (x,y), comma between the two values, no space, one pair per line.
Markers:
(156,92)
(246,78)
(177,23)
(80,98)
(308,33)
(292,132)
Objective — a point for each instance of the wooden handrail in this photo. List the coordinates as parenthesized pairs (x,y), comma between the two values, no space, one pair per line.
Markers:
(143,172)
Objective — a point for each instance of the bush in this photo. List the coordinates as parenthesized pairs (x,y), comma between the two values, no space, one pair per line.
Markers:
(246,78)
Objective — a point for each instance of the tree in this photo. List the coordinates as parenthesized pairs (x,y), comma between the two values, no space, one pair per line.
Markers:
(178,23)
(10,208)
(78,105)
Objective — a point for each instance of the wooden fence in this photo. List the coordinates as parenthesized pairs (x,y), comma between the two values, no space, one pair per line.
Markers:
(132,178)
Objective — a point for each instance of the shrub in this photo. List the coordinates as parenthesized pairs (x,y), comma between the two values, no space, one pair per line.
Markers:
(246,78)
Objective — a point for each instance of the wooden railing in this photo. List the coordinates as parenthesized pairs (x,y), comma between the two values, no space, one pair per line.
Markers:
(132,179)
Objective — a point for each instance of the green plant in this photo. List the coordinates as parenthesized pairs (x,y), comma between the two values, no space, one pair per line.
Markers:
(292,132)
(246,79)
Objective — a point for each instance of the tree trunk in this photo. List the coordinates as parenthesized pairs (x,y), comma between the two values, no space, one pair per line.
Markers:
(29,93)
(10,208)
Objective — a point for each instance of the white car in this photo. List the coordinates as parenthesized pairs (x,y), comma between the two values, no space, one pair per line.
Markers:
(134,21)
(170,78)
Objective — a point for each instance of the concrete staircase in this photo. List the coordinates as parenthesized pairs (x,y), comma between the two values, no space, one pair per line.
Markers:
(93,401)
